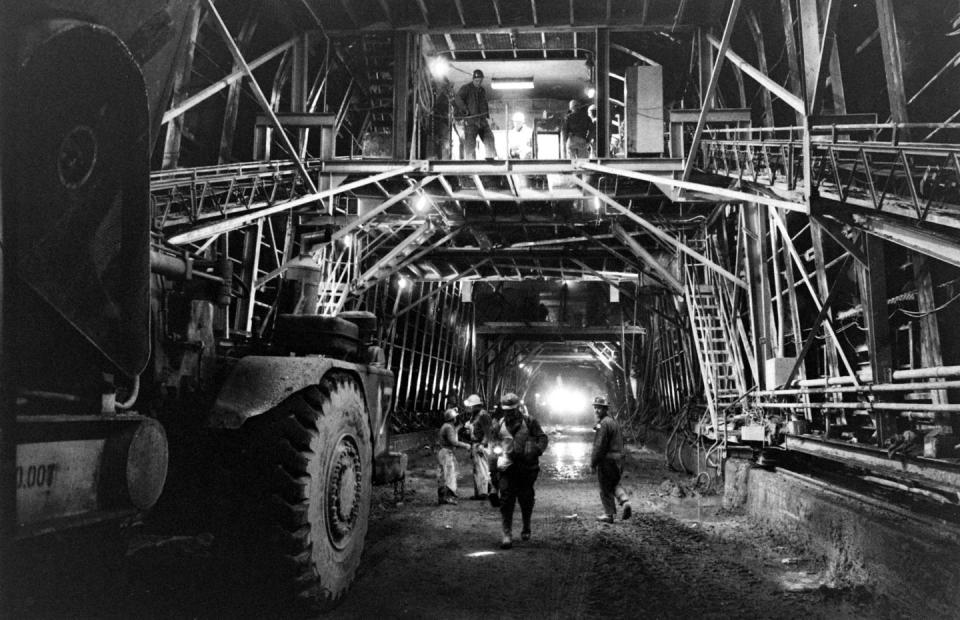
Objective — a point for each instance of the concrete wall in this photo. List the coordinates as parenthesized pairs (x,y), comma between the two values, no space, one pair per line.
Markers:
(913,561)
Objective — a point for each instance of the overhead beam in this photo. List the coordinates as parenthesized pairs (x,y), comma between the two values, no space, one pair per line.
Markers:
(941,247)
(652,263)
(721,193)
(635,54)
(773,87)
(707,98)
(222,83)
(383,206)
(659,234)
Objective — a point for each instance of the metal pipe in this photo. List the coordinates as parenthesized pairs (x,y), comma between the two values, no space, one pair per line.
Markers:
(913,373)
(868,389)
(927,373)
(864,406)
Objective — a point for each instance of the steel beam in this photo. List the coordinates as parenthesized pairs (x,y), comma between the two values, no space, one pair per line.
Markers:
(707,98)
(659,234)
(771,85)
(722,194)
(939,246)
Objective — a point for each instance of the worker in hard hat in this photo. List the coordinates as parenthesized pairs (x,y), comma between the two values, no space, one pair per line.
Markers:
(575,131)
(521,441)
(607,460)
(472,108)
(520,138)
(447,460)
(481,433)
(592,136)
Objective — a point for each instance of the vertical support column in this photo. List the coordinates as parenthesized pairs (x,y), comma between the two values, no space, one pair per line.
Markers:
(793,58)
(299,87)
(930,353)
(401,93)
(757,231)
(823,288)
(765,96)
(181,82)
(252,240)
(873,300)
(233,91)
(705,66)
(810,39)
(892,60)
(602,67)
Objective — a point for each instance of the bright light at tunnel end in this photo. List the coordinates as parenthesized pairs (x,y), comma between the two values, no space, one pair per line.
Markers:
(564,401)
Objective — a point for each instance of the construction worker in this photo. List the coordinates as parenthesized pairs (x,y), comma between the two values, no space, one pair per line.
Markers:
(447,460)
(520,138)
(481,433)
(472,108)
(607,461)
(521,441)
(575,132)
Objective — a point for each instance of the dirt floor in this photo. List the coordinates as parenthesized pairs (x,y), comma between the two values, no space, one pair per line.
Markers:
(680,556)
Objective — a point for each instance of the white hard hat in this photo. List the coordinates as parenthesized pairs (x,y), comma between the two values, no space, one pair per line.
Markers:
(472,401)
(518,117)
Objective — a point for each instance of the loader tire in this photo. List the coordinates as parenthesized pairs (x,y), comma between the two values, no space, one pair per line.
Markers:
(308,470)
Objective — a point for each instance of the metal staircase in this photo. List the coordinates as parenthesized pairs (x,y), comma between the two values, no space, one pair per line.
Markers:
(715,337)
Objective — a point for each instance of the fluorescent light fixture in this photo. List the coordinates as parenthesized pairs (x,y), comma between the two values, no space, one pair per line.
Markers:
(512,83)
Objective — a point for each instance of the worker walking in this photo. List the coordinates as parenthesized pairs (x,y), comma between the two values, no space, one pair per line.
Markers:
(447,460)
(481,433)
(521,441)
(471,104)
(607,461)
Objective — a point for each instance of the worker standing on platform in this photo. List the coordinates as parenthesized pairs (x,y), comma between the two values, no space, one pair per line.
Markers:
(575,132)
(447,460)
(520,138)
(521,441)
(472,108)
(481,433)
(607,461)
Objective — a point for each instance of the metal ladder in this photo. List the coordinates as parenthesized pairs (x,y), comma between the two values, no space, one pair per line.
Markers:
(714,339)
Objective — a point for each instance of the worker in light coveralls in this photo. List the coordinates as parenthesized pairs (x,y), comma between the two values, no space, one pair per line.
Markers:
(446,460)
(607,460)
(481,434)
(521,441)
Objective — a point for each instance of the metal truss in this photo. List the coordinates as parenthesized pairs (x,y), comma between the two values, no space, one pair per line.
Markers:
(918,181)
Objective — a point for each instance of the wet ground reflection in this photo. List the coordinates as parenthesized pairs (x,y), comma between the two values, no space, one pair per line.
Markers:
(568,454)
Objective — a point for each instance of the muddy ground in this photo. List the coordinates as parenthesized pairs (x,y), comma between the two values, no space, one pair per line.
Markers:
(677,557)
(680,556)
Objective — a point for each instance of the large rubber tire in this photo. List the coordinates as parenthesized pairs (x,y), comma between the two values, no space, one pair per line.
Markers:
(306,498)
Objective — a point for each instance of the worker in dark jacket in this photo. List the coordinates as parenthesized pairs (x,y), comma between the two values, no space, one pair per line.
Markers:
(521,441)
(576,132)
(607,461)
(472,108)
